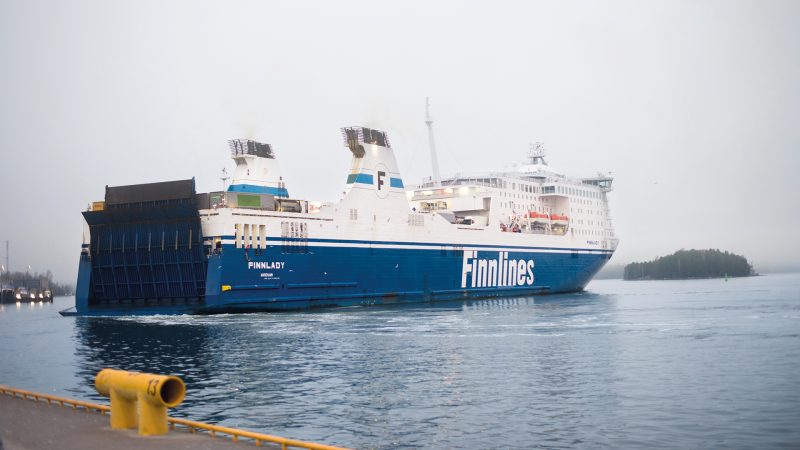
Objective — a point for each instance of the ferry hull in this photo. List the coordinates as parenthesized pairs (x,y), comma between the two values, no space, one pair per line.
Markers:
(285,278)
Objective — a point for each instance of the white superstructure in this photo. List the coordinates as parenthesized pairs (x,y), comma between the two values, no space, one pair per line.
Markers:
(533,199)
(532,206)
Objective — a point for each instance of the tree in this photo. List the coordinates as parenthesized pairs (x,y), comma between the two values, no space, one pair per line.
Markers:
(711,263)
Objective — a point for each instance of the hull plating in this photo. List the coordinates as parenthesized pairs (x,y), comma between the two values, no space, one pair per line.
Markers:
(293,278)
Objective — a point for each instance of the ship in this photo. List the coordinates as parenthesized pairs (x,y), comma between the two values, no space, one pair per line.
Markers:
(39,292)
(164,248)
(24,295)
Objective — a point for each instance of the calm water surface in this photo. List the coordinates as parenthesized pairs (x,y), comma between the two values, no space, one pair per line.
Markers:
(661,364)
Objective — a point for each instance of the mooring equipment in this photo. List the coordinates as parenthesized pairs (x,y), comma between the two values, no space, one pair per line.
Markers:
(148,393)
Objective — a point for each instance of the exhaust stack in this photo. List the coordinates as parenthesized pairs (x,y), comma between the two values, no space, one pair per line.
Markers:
(257,170)
(374,183)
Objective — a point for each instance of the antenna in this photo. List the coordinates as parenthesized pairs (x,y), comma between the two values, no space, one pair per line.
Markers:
(437,179)
(224,179)
(6,269)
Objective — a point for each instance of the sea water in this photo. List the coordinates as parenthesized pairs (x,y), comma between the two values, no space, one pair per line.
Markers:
(644,364)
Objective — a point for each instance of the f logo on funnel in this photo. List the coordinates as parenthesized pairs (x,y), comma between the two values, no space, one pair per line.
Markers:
(381,181)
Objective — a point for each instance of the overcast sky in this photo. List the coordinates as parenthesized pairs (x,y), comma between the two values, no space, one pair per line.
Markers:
(694,106)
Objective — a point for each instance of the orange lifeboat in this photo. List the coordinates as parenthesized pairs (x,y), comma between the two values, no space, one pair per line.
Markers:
(538,218)
(559,220)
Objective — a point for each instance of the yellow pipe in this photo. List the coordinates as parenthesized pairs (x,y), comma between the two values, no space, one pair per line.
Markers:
(152,394)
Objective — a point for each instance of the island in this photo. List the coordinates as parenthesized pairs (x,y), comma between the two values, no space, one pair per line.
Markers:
(686,264)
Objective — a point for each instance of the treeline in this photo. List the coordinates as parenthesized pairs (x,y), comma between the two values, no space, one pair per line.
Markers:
(35,281)
(690,264)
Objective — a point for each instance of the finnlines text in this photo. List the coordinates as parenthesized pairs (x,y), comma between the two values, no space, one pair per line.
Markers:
(498,272)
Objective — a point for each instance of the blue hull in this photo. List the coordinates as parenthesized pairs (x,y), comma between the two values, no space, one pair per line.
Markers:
(340,274)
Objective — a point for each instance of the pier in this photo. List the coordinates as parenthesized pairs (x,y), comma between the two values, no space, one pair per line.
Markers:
(31,420)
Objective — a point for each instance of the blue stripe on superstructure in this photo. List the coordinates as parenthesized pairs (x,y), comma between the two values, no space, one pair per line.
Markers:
(253,189)
(396,183)
(354,241)
(363,178)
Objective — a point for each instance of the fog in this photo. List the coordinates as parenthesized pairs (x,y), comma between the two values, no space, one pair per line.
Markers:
(693,106)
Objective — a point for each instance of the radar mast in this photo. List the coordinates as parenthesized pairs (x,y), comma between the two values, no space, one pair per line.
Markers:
(224,179)
(536,154)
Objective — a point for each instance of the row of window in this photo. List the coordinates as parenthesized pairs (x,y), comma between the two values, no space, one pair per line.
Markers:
(248,235)
(531,188)
(591,232)
(586,222)
(525,188)
(584,211)
(416,220)
(489,182)
(568,190)
(295,237)
(528,207)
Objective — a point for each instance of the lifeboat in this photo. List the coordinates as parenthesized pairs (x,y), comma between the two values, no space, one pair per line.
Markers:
(538,218)
(559,220)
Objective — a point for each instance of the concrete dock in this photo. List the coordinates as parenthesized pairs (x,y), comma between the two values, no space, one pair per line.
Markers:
(30,425)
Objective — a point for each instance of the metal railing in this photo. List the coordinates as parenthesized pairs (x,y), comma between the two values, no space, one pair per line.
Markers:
(37,396)
(191,425)
(236,433)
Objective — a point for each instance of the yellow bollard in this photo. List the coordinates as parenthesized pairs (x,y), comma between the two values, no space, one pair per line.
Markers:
(152,393)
